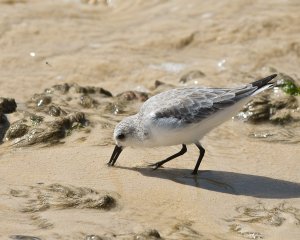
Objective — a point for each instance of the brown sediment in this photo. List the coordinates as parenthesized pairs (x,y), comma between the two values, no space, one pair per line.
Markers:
(54,114)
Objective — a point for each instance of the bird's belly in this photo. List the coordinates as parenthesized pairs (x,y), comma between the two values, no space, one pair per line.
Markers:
(185,135)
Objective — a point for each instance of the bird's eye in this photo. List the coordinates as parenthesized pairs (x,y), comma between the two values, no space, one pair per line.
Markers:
(120,136)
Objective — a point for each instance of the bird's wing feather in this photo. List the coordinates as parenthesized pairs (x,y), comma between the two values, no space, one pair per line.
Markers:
(178,107)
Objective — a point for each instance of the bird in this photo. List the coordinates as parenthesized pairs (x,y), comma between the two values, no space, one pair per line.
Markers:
(182,116)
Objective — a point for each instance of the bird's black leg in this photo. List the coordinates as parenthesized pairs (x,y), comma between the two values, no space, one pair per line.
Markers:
(160,163)
(202,152)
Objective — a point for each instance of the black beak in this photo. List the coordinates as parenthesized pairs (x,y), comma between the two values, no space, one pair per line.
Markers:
(115,155)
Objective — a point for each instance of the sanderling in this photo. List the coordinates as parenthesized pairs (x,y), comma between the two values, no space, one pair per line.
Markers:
(182,116)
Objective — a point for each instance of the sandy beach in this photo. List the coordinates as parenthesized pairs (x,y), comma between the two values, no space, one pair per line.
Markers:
(76,68)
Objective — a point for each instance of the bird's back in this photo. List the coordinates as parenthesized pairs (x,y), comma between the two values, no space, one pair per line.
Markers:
(190,105)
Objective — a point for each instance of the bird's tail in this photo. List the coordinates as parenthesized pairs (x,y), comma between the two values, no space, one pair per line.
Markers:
(263,84)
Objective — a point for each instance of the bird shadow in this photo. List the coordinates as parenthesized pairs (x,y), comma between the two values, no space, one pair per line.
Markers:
(227,182)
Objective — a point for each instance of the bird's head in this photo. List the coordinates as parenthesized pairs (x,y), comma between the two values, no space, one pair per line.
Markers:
(126,133)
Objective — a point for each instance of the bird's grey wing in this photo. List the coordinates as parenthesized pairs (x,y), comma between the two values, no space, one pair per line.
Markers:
(178,107)
(232,95)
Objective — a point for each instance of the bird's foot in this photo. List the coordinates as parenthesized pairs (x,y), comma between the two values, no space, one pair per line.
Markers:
(155,165)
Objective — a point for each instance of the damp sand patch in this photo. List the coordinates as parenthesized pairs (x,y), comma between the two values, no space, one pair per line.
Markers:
(259,216)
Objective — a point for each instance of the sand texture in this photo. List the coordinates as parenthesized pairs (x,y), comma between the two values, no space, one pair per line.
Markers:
(70,70)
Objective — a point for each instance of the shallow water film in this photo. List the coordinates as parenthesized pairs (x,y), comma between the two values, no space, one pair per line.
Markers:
(72,69)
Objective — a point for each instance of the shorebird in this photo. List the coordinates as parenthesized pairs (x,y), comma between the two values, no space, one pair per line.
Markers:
(182,116)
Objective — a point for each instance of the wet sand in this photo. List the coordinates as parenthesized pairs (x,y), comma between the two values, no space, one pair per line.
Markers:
(248,188)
